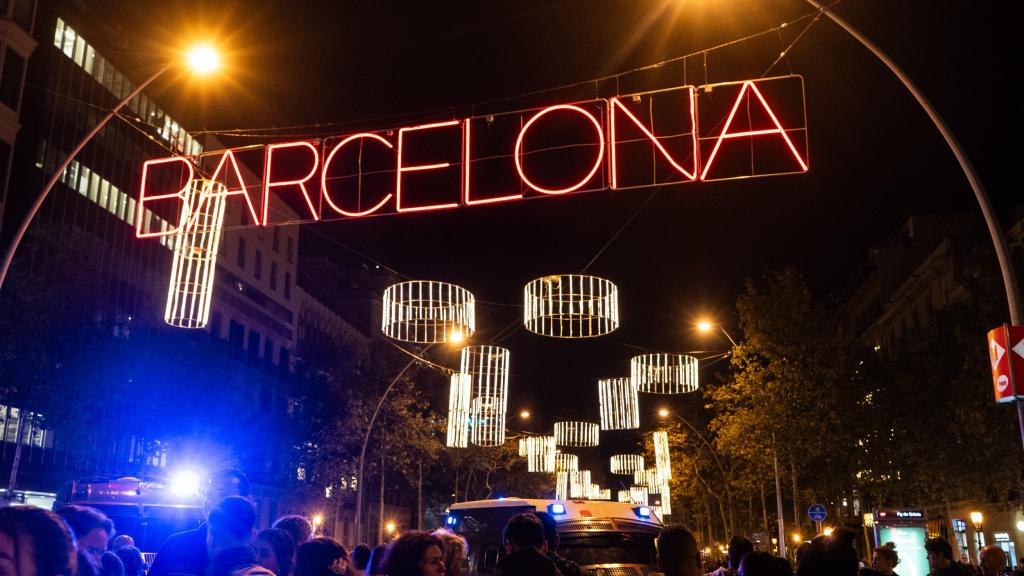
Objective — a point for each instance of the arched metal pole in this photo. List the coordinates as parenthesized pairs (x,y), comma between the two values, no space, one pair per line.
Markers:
(23,227)
(994,229)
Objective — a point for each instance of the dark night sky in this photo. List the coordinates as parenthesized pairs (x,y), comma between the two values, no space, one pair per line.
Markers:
(875,156)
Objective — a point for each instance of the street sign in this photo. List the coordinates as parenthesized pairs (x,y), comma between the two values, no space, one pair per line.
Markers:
(1006,354)
(817,512)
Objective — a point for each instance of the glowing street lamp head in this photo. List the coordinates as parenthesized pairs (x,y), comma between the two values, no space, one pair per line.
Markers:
(456,337)
(705,326)
(525,414)
(976,519)
(203,59)
(827,531)
(318,520)
(796,538)
(663,413)
(390,527)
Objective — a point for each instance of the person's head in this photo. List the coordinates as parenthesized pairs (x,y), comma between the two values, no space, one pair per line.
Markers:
(122,541)
(224,483)
(230,524)
(296,526)
(677,552)
(800,551)
(524,531)
(939,553)
(321,557)
(376,565)
(761,564)
(35,542)
(132,560)
(550,530)
(885,558)
(843,558)
(455,552)
(92,529)
(111,565)
(415,553)
(361,556)
(275,550)
(993,559)
(738,546)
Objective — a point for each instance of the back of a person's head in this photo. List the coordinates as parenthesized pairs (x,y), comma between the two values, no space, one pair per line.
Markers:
(738,547)
(676,546)
(888,553)
(454,550)
(377,556)
(234,516)
(42,534)
(361,556)
(524,530)
(814,561)
(122,541)
(283,546)
(83,520)
(843,557)
(296,526)
(763,564)
(131,557)
(550,529)
(939,545)
(404,554)
(314,557)
(233,477)
(111,565)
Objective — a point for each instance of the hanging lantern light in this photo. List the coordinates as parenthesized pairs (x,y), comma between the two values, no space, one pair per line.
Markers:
(488,421)
(666,501)
(459,408)
(626,463)
(571,306)
(575,433)
(540,454)
(638,495)
(196,244)
(664,373)
(426,312)
(566,462)
(579,483)
(620,409)
(662,461)
(561,486)
(650,478)
(624,496)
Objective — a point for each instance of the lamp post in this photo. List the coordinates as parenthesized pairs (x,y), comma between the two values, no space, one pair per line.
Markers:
(976,521)
(201,60)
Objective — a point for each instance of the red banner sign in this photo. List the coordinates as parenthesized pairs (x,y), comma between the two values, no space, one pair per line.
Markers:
(1006,353)
(686,134)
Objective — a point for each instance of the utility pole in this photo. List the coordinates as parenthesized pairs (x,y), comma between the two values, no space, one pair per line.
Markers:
(778,501)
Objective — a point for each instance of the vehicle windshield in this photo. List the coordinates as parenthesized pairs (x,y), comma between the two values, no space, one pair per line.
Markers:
(608,548)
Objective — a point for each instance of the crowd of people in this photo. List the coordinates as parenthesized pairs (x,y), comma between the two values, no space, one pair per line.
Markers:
(80,541)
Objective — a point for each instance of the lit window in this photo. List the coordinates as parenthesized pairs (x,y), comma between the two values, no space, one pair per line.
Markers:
(69,41)
(58,34)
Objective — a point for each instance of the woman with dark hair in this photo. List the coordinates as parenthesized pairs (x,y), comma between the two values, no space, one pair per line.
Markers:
(322,557)
(885,559)
(376,565)
(415,554)
(34,541)
(455,552)
(275,550)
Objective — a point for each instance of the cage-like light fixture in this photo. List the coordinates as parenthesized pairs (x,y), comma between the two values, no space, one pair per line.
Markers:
(194,262)
(561,485)
(566,462)
(664,373)
(624,496)
(540,454)
(579,483)
(522,447)
(487,426)
(626,463)
(459,407)
(576,433)
(598,493)
(638,495)
(666,500)
(650,478)
(487,366)
(571,306)
(620,409)
(426,311)
(662,460)
(657,510)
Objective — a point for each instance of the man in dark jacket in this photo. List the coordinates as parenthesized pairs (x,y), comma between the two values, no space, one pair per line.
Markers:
(565,566)
(525,545)
(185,553)
(940,559)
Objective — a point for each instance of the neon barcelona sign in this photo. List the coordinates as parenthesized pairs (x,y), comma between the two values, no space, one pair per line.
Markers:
(674,136)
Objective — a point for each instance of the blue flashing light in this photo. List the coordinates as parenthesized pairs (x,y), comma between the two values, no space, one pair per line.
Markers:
(451,521)
(556,509)
(643,511)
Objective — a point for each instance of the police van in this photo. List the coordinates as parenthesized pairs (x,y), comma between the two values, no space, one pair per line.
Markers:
(148,510)
(606,538)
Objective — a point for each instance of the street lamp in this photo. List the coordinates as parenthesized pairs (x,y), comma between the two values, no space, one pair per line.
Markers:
(390,528)
(827,531)
(318,520)
(976,521)
(706,327)
(525,414)
(797,538)
(201,60)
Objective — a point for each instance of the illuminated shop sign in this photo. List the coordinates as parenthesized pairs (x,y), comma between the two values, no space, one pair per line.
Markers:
(673,136)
